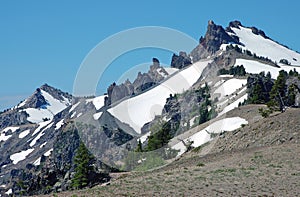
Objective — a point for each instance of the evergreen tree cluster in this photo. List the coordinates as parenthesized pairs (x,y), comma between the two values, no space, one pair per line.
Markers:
(278,94)
(204,113)
(160,137)
(236,71)
(259,87)
(283,94)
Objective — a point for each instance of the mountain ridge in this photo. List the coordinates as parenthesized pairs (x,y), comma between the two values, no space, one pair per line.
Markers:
(41,134)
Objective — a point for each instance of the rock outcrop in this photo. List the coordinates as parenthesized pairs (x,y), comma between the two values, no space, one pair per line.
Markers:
(180,61)
(143,82)
(209,44)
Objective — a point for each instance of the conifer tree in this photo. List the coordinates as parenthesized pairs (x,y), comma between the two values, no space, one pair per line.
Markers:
(139,147)
(83,162)
(277,93)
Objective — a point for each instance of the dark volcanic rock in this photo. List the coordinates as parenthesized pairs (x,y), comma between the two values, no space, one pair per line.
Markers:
(180,61)
(143,82)
(259,32)
(235,24)
(215,36)
(238,24)
(11,118)
(36,100)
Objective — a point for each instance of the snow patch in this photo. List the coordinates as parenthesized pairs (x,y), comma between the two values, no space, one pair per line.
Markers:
(96,116)
(59,124)
(98,102)
(144,137)
(233,105)
(230,86)
(55,106)
(73,107)
(203,136)
(17,157)
(224,76)
(24,133)
(41,125)
(48,153)
(3,136)
(9,192)
(33,142)
(42,145)
(37,115)
(37,162)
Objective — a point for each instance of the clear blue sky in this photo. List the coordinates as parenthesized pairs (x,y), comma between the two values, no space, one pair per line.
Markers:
(46,41)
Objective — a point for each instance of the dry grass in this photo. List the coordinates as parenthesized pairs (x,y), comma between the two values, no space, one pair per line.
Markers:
(258,160)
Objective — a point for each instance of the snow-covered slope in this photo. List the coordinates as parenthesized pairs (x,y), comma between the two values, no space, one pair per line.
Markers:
(170,70)
(265,47)
(141,109)
(98,102)
(257,67)
(229,87)
(48,111)
(203,136)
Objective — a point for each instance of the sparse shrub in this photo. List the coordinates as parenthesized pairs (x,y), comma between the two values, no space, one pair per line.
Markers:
(264,112)
(200,164)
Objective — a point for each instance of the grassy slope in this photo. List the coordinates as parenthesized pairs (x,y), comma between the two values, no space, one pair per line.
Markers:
(259,159)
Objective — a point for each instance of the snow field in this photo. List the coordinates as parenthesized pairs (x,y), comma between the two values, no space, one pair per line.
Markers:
(141,109)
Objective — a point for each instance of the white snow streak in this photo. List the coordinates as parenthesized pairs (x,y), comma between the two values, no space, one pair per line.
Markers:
(24,133)
(17,157)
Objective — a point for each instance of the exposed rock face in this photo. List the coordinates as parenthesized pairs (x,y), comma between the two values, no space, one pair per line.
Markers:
(259,32)
(294,81)
(11,118)
(235,24)
(57,170)
(38,172)
(180,61)
(143,82)
(238,24)
(38,101)
(215,36)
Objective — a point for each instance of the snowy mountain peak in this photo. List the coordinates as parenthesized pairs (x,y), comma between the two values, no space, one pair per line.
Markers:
(256,41)
(44,104)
